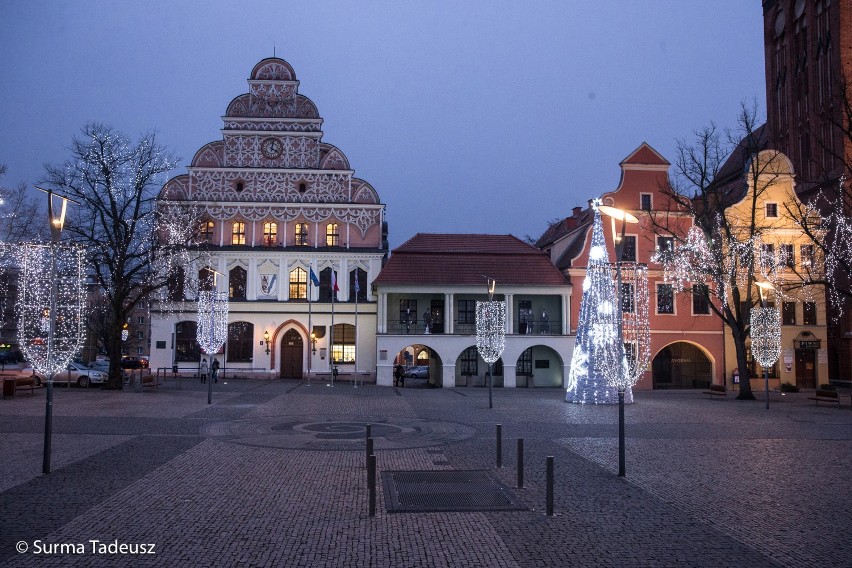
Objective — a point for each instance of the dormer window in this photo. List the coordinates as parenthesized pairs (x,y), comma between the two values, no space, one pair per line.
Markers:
(303,187)
(238,187)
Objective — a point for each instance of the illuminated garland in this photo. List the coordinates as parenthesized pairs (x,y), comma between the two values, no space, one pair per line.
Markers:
(598,362)
(636,329)
(765,335)
(212,320)
(42,267)
(490,330)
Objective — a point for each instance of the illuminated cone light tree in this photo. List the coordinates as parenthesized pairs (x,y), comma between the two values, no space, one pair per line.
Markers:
(490,333)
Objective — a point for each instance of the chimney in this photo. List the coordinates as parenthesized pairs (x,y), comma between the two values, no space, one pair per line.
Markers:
(576,212)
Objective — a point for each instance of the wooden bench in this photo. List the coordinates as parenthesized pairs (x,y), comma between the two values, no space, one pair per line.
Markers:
(717,390)
(150,381)
(823,395)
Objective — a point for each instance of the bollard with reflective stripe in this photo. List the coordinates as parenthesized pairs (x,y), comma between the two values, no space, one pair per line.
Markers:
(549,486)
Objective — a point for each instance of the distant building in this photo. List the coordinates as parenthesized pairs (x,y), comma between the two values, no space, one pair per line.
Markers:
(278,204)
(808,61)
(427,296)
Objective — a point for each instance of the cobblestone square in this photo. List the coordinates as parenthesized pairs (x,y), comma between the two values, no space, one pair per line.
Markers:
(273,473)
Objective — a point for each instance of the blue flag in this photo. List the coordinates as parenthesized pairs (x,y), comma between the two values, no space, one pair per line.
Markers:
(314,278)
(357,287)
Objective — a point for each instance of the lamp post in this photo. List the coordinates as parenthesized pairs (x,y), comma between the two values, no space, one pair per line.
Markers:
(212,314)
(50,303)
(626,374)
(765,335)
(490,332)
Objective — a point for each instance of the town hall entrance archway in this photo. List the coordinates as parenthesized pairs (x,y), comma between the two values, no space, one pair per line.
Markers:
(292,354)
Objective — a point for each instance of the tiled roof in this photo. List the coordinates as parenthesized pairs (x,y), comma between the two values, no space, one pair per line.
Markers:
(466,260)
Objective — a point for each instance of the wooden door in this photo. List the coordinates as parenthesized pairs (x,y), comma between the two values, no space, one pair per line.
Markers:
(806,368)
(292,355)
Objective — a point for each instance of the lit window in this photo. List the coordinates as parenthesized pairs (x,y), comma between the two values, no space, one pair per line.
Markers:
(343,348)
(298,284)
(206,231)
(806,255)
(238,234)
(301,234)
(270,234)
(332,237)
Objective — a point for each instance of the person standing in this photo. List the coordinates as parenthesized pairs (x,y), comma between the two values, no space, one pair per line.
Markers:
(427,320)
(203,370)
(214,370)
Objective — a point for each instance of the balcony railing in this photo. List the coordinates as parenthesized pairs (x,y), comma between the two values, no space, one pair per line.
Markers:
(552,327)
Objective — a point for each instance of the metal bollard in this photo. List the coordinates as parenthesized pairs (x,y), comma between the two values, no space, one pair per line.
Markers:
(371,484)
(549,486)
(499,445)
(520,462)
(369,450)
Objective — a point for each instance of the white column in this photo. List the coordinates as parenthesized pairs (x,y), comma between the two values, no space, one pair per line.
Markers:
(510,378)
(448,314)
(449,378)
(382,313)
(566,314)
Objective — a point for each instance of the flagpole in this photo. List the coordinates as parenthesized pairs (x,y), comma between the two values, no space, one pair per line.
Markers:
(357,290)
(310,328)
(331,334)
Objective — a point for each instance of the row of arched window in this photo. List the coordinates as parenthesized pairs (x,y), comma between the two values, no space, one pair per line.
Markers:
(239,345)
(301,234)
(297,290)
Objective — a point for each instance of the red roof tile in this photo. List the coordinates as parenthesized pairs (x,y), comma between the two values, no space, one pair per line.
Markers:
(465,259)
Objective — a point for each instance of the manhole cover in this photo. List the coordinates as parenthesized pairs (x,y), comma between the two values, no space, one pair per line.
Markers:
(446,491)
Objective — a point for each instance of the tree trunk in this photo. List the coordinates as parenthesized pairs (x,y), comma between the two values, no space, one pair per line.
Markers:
(742,365)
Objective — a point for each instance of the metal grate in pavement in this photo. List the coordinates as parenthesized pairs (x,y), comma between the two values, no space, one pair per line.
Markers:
(446,491)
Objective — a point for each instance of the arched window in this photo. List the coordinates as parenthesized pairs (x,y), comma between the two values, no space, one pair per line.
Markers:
(343,346)
(326,285)
(240,342)
(301,234)
(205,279)
(238,233)
(332,236)
(177,284)
(270,234)
(186,342)
(206,231)
(358,285)
(298,284)
(237,283)
(470,362)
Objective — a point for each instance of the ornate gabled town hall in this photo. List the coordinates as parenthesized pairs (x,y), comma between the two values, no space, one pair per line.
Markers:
(288,231)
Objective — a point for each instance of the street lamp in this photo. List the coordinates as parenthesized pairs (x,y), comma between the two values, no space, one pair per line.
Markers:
(765,335)
(212,314)
(266,340)
(50,304)
(490,332)
(313,343)
(626,374)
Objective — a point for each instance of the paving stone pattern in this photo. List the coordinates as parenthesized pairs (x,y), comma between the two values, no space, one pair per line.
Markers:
(273,474)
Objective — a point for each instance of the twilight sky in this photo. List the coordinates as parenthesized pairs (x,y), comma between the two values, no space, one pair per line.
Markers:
(466,116)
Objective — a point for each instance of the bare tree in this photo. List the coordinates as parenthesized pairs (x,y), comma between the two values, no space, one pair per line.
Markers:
(718,254)
(21,219)
(115,183)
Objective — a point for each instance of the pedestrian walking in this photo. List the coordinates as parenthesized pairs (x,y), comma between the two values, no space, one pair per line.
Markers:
(214,370)
(203,370)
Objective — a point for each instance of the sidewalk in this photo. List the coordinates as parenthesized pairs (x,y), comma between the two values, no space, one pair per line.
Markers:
(273,474)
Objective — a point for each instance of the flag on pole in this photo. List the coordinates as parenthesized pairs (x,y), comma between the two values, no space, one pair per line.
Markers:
(314,278)
(334,282)
(357,286)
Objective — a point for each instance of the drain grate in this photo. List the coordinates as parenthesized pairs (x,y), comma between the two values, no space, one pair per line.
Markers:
(446,491)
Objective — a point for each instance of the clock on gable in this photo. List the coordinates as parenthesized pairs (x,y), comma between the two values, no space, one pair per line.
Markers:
(271,148)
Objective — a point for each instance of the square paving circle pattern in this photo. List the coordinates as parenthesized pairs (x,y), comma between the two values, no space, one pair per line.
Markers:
(433,491)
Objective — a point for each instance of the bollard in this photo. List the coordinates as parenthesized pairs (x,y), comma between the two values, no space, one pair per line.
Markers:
(369,450)
(549,486)
(520,462)
(371,484)
(499,445)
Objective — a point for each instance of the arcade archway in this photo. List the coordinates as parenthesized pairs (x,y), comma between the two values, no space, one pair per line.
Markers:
(682,365)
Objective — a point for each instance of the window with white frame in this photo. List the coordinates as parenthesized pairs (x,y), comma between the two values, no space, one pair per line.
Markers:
(665,299)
